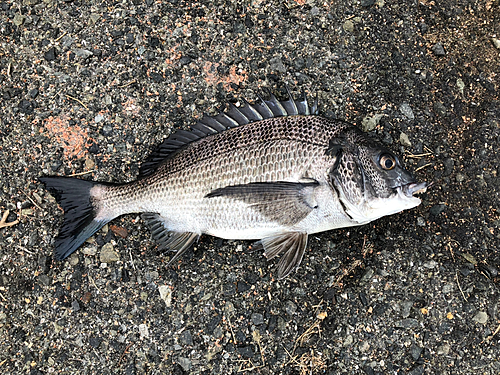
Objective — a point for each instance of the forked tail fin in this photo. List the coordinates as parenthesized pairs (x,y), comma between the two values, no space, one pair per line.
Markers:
(73,195)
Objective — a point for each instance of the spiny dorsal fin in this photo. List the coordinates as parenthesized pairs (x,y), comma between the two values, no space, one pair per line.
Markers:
(231,118)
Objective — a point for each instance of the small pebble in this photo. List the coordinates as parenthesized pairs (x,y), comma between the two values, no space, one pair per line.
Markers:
(366,3)
(67,41)
(481,317)
(95,342)
(406,110)
(437,209)
(415,351)
(407,323)
(257,319)
(108,254)
(443,349)
(44,280)
(370,122)
(496,42)
(406,308)
(439,108)
(51,54)
(364,346)
(404,140)
(185,338)
(348,26)
(290,307)
(246,351)
(19,19)
(185,363)
(166,294)
(82,53)
(438,49)
(348,340)
(449,164)
(460,85)
(143,331)
(431,264)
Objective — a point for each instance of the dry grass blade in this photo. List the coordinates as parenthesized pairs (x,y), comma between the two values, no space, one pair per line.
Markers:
(423,166)
(77,100)
(347,271)
(310,363)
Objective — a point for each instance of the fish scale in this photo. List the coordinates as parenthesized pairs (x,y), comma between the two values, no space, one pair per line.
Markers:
(273,171)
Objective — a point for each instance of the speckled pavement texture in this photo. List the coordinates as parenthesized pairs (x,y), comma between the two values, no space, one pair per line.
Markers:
(88,88)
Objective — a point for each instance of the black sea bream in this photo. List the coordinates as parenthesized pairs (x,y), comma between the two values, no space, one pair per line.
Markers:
(272,171)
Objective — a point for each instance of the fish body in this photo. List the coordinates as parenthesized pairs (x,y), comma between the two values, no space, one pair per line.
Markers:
(273,171)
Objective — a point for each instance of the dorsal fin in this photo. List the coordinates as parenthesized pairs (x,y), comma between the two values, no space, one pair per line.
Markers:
(230,118)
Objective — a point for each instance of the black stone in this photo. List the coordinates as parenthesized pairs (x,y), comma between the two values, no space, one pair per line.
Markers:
(415,351)
(240,337)
(25,106)
(246,352)
(213,323)
(154,42)
(363,298)
(438,49)
(449,164)
(95,342)
(229,289)
(257,319)
(242,286)
(156,77)
(437,209)
(107,130)
(94,148)
(185,338)
(366,3)
(116,33)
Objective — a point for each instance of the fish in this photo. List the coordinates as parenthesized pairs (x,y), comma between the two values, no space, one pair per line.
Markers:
(274,171)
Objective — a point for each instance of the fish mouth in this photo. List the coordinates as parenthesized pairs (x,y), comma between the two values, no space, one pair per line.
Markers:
(413,188)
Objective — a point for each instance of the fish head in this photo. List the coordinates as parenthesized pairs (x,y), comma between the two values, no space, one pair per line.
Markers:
(369,179)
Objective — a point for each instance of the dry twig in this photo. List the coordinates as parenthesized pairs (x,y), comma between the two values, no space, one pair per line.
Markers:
(489,338)
(459,287)
(77,100)
(3,221)
(81,173)
(423,166)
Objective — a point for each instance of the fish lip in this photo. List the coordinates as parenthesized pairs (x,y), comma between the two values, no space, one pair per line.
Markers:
(414,188)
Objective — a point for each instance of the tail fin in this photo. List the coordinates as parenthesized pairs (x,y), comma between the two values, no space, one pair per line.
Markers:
(79,213)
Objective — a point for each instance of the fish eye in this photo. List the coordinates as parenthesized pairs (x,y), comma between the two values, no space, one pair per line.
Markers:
(387,162)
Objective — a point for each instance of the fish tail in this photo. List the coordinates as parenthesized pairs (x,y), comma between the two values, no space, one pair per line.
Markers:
(81,219)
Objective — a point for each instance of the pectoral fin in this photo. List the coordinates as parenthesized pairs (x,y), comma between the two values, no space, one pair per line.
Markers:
(286,203)
(175,241)
(292,245)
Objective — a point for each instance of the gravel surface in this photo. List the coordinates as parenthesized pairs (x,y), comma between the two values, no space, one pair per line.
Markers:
(89,88)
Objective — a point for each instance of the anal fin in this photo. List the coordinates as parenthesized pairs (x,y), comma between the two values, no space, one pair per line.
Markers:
(166,239)
(292,245)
